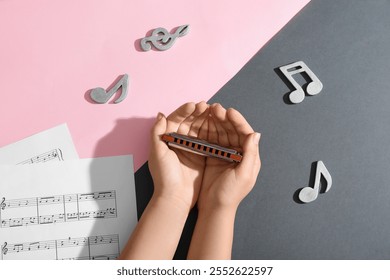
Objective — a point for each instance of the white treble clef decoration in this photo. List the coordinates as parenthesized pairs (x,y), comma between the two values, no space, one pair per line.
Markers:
(162,40)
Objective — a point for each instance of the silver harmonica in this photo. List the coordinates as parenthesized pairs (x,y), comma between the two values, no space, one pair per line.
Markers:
(201,147)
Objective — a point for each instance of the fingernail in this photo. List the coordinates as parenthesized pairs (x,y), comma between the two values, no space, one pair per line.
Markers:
(159,116)
(256,138)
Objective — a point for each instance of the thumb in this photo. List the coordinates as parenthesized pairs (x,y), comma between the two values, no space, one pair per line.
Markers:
(157,145)
(251,160)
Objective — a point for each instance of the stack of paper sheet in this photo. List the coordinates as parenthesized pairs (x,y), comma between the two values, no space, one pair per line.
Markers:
(66,208)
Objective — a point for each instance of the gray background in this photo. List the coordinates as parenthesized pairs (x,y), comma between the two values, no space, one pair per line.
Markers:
(346,44)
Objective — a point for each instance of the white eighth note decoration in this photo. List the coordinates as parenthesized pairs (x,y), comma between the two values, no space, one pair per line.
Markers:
(100,95)
(308,194)
(313,88)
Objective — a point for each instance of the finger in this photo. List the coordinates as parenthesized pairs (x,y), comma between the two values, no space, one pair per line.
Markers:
(250,164)
(212,135)
(204,129)
(218,113)
(158,146)
(178,116)
(198,123)
(240,124)
(185,125)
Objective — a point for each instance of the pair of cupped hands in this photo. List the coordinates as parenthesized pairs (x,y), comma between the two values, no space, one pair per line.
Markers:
(185,178)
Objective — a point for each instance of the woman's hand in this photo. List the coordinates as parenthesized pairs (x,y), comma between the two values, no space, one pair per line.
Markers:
(177,174)
(225,184)
(177,178)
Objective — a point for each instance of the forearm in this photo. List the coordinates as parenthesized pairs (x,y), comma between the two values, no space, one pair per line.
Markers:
(213,234)
(158,231)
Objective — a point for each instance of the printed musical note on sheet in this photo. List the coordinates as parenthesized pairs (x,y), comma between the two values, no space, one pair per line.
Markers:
(55,154)
(54,144)
(76,209)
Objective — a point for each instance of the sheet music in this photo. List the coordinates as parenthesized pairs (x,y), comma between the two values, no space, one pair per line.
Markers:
(57,209)
(54,144)
(75,209)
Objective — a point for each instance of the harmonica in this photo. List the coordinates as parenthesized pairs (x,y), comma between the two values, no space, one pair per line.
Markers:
(201,147)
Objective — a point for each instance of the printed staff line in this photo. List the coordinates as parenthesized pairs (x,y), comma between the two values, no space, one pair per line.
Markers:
(58,244)
(94,257)
(59,218)
(55,154)
(56,199)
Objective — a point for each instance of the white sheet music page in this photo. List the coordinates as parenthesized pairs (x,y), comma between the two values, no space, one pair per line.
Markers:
(54,144)
(74,209)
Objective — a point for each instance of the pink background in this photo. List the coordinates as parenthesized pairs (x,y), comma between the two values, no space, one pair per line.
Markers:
(52,52)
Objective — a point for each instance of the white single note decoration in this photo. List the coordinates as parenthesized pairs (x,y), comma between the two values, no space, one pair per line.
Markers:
(101,96)
(313,88)
(309,194)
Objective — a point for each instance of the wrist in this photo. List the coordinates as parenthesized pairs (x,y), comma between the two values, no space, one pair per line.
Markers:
(214,209)
(213,234)
(177,204)
(207,203)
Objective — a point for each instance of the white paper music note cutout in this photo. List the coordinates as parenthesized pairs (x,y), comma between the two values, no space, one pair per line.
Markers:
(313,88)
(308,194)
(99,95)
